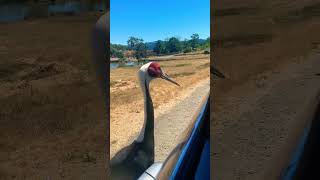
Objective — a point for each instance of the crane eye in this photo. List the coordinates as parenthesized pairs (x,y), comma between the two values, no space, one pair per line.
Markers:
(153,72)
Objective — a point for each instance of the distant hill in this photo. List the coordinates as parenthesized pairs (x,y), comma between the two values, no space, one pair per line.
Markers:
(202,40)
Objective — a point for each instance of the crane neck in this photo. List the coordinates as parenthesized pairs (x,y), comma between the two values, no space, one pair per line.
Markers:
(147,132)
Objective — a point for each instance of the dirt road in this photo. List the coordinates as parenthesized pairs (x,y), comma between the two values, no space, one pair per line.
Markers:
(170,123)
(252,121)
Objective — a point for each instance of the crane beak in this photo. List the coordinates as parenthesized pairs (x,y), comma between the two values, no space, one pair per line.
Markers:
(166,77)
(216,72)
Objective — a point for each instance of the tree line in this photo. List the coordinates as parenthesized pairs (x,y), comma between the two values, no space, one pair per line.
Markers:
(161,47)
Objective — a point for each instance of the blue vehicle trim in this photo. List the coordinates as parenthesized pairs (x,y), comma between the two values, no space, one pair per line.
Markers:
(202,170)
(291,169)
(188,144)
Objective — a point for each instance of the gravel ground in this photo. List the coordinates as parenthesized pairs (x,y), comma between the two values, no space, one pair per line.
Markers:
(253,120)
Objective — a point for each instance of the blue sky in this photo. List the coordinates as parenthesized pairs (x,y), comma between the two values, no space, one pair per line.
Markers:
(152,20)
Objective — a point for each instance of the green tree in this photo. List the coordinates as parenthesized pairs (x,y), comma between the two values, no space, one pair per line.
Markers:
(116,53)
(194,40)
(157,47)
(136,44)
(163,47)
(205,44)
(140,50)
(133,41)
(173,45)
(116,50)
(186,46)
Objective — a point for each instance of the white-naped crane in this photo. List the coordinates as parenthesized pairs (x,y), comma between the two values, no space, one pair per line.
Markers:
(131,161)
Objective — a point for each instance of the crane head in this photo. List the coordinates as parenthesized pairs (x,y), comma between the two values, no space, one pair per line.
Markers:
(152,70)
(155,71)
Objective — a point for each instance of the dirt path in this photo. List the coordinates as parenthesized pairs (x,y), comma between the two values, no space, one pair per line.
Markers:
(251,122)
(171,122)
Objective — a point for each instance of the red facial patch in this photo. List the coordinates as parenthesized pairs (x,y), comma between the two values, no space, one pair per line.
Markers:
(154,69)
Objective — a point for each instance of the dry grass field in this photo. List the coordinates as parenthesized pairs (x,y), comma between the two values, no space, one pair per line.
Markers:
(253,40)
(51,115)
